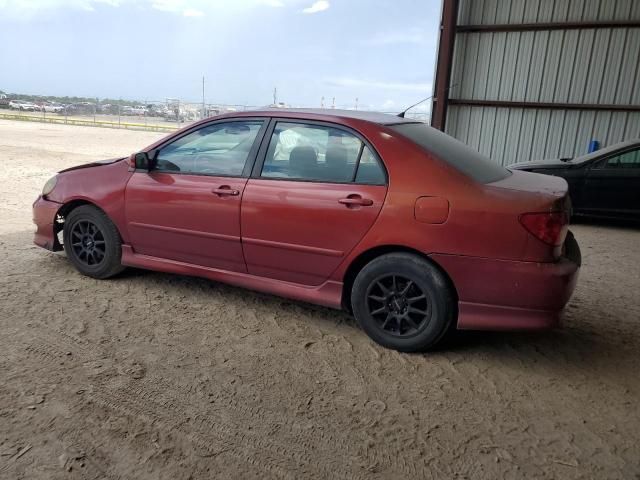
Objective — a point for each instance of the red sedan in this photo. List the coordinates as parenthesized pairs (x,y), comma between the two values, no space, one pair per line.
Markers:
(398,223)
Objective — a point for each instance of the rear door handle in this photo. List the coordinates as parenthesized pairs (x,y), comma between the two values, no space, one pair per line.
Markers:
(356,201)
(225,190)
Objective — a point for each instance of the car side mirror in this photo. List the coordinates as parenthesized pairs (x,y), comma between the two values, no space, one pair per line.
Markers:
(142,160)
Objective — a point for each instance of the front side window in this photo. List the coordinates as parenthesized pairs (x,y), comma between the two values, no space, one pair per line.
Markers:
(218,149)
(315,153)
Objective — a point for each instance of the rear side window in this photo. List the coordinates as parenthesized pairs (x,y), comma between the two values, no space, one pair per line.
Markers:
(463,158)
(309,152)
(369,170)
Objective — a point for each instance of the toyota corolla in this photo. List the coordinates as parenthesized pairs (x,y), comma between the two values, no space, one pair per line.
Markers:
(401,225)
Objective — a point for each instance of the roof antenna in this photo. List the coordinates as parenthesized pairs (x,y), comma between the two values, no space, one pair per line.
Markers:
(402,114)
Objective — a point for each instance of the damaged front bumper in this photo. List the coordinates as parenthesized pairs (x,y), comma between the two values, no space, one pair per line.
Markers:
(44,217)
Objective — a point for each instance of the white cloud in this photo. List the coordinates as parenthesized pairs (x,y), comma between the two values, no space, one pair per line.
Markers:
(377,84)
(168,5)
(192,12)
(319,6)
(25,9)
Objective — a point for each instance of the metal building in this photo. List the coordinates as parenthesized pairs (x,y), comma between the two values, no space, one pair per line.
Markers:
(531,79)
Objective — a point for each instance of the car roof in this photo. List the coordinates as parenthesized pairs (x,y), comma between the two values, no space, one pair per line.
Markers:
(607,150)
(329,113)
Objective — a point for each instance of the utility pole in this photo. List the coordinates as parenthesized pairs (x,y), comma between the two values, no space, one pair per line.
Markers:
(203,106)
(275,96)
(356,103)
(333,102)
(322,102)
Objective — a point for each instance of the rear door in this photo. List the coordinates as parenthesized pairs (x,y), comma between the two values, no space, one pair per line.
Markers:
(187,208)
(316,190)
(612,186)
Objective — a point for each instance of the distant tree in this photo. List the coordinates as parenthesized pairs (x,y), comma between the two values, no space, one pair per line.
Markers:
(68,100)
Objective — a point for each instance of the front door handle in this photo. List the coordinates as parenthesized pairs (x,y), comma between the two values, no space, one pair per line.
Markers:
(225,190)
(356,201)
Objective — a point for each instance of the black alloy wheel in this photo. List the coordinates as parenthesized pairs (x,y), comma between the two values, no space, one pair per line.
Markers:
(87,243)
(92,242)
(403,301)
(398,305)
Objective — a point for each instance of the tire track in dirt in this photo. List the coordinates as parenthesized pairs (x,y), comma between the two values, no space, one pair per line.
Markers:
(78,446)
(146,400)
(159,401)
(154,389)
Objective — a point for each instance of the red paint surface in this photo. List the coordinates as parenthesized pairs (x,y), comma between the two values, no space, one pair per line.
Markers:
(179,217)
(296,239)
(44,214)
(285,227)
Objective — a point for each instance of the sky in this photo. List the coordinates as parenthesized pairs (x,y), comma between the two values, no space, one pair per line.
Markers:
(381,52)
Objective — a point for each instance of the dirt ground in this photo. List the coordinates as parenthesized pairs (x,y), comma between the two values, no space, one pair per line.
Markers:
(158,376)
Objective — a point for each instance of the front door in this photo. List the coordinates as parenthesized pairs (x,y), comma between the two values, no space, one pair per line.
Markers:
(319,190)
(187,207)
(612,186)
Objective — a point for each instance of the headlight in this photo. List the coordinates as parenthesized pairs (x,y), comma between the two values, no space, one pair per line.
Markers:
(49,186)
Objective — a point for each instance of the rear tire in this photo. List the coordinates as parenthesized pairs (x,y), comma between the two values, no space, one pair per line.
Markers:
(403,302)
(92,242)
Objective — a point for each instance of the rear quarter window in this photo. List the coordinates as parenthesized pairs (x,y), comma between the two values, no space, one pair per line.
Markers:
(463,158)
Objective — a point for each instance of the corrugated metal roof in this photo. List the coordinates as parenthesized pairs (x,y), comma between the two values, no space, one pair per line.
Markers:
(487,12)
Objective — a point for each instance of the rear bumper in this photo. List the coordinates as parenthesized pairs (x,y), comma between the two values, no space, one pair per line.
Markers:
(44,216)
(510,295)
(476,316)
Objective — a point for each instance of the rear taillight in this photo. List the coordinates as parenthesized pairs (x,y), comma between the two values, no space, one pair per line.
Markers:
(549,227)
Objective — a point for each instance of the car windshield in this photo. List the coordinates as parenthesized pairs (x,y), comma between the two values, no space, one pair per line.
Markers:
(463,158)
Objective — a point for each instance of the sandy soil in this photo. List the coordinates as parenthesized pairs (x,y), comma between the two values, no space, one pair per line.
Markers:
(159,376)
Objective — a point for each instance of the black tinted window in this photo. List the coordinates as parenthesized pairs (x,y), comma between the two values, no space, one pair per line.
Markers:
(369,169)
(625,160)
(455,153)
(219,149)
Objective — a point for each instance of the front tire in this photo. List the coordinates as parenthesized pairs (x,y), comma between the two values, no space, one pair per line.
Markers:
(92,242)
(403,302)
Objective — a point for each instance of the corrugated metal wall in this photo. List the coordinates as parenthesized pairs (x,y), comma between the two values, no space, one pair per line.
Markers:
(580,66)
(509,135)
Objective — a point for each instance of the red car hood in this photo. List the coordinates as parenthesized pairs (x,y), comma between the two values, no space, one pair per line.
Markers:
(93,164)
